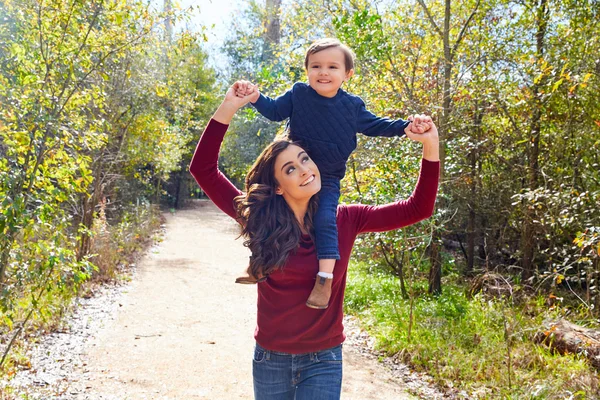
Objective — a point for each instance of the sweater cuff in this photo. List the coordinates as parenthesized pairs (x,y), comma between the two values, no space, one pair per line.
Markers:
(430,167)
(215,125)
(426,161)
(260,101)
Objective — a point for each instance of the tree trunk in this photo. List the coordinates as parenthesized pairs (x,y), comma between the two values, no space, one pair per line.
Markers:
(472,231)
(272,28)
(528,232)
(168,7)
(177,200)
(565,337)
(471,224)
(435,274)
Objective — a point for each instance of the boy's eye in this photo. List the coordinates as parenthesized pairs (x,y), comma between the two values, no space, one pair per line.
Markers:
(333,67)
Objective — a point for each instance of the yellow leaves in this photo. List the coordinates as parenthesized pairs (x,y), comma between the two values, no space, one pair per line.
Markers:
(572,88)
(18,139)
(161,90)
(557,84)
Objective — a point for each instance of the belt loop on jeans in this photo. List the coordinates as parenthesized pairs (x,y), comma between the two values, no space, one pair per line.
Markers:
(267,354)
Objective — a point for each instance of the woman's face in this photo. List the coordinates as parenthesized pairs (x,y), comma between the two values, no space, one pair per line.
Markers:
(297,174)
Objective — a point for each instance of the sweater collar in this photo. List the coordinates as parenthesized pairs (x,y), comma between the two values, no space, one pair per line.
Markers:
(316,96)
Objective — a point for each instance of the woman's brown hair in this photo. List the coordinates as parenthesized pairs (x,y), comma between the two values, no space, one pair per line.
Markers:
(268,224)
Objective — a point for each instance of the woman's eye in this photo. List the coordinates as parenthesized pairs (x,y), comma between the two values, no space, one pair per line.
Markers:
(290,170)
(305,159)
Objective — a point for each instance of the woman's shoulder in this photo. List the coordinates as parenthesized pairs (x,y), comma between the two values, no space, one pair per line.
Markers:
(348,213)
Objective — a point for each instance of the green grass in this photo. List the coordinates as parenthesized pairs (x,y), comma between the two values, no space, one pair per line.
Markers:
(118,247)
(461,341)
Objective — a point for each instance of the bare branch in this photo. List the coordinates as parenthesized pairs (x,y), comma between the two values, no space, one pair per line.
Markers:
(64,33)
(464,28)
(435,26)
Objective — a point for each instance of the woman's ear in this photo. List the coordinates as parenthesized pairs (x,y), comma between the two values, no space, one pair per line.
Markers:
(349,75)
(278,190)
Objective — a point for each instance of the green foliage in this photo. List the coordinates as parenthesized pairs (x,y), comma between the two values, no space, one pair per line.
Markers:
(96,107)
(462,342)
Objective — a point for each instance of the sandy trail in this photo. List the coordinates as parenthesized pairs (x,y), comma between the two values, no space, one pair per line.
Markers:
(185,330)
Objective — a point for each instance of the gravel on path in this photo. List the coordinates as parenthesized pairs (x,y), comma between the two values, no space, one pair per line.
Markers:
(181,329)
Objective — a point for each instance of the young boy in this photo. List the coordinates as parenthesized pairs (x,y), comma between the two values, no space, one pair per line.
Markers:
(325,119)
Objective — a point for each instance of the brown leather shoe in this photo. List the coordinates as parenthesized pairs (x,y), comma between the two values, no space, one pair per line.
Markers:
(249,278)
(319,297)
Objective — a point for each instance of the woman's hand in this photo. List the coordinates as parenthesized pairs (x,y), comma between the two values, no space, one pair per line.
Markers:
(232,102)
(429,138)
(422,135)
(241,93)
(245,88)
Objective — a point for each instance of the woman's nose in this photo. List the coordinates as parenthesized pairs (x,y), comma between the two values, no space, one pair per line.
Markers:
(304,170)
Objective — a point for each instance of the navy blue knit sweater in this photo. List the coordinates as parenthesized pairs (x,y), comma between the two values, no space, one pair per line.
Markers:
(325,126)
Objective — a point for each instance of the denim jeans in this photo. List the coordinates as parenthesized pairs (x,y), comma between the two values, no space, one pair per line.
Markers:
(326,234)
(308,376)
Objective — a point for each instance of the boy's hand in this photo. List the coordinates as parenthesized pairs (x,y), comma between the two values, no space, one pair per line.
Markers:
(429,136)
(419,124)
(234,98)
(244,88)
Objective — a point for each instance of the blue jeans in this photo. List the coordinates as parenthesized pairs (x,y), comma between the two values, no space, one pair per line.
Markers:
(308,376)
(326,234)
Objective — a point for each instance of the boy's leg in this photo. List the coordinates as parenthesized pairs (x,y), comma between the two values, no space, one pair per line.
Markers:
(326,243)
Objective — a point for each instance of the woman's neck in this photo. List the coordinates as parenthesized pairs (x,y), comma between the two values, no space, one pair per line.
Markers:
(299,208)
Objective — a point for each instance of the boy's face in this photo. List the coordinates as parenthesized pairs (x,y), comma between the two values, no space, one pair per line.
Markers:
(327,71)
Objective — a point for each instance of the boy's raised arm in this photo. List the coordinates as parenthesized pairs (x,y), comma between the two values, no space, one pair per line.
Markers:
(371,125)
(276,109)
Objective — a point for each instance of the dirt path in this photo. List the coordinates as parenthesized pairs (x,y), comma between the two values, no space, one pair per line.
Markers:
(185,330)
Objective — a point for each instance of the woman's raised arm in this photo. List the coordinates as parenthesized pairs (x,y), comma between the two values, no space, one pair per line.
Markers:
(417,207)
(204,164)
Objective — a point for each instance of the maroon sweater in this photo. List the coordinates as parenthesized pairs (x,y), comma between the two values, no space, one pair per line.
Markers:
(284,322)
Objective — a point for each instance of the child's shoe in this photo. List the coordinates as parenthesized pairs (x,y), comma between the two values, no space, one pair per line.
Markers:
(249,278)
(319,297)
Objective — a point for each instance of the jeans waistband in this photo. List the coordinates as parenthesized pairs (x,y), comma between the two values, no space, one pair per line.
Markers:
(295,354)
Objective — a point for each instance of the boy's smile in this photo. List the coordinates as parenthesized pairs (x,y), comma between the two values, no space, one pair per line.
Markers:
(327,71)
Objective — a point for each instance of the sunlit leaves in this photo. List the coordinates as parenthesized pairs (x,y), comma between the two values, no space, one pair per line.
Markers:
(79,114)
(499,80)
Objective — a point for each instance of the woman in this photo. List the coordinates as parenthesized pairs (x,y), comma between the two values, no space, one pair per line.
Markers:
(298,352)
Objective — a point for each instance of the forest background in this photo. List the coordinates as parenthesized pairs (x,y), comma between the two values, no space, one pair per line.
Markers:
(102,103)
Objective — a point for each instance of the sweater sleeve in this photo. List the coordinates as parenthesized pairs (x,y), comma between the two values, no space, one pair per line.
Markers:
(204,168)
(276,109)
(371,125)
(387,217)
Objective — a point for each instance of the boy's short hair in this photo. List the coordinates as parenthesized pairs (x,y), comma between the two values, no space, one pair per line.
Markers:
(327,43)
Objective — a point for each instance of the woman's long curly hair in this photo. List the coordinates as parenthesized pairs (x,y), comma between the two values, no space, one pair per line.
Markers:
(269,226)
